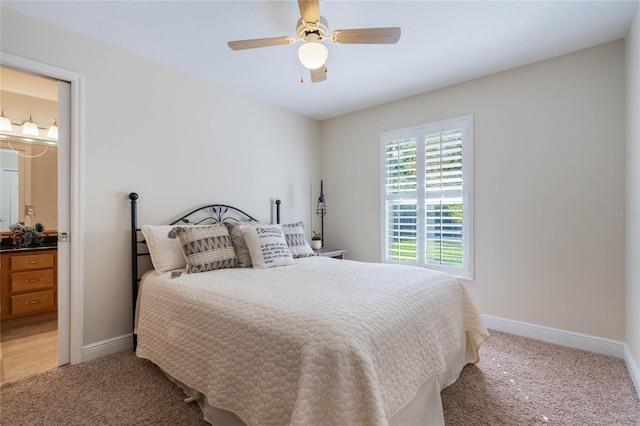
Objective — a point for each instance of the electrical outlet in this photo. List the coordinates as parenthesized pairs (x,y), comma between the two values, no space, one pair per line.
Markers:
(63,237)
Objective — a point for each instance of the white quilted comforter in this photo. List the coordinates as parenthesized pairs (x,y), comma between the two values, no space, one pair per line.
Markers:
(322,342)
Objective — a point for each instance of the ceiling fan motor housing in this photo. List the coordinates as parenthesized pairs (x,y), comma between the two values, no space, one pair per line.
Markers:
(321,28)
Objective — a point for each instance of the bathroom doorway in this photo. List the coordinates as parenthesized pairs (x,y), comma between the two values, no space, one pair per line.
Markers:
(30,311)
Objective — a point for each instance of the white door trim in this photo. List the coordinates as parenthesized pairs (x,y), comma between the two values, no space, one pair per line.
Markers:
(76,199)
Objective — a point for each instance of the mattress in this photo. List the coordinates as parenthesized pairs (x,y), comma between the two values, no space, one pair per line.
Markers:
(323,341)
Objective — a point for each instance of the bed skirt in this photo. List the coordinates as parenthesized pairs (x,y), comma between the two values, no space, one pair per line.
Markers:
(424,409)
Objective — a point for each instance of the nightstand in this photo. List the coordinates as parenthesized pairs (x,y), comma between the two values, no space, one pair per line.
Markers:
(335,253)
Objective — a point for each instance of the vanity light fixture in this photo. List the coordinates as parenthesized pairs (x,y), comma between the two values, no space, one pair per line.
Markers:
(30,128)
(5,123)
(28,131)
(53,130)
(30,134)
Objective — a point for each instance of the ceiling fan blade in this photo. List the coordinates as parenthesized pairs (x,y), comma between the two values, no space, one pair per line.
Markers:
(319,74)
(388,35)
(309,10)
(260,42)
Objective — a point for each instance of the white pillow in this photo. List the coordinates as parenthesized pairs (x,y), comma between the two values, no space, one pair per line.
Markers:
(164,246)
(298,245)
(267,245)
(166,252)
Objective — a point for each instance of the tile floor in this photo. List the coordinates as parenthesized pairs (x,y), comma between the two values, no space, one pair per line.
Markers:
(23,356)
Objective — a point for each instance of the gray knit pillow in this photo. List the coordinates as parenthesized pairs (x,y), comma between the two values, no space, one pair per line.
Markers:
(206,248)
(239,244)
(298,245)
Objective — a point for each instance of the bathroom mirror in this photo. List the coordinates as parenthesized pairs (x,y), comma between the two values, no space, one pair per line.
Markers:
(29,188)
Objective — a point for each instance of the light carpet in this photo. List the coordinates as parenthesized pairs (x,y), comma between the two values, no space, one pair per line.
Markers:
(518,381)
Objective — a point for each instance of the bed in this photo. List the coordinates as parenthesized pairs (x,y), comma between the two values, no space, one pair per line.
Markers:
(313,341)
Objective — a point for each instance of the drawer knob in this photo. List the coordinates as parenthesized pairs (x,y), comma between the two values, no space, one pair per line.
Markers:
(32,262)
(33,280)
(33,302)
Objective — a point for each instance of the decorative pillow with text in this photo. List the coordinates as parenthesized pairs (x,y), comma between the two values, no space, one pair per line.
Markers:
(267,245)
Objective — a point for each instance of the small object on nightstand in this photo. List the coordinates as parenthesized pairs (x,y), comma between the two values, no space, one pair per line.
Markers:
(335,253)
(316,241)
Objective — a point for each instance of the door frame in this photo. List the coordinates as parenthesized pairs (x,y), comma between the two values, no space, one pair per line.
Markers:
(76,212)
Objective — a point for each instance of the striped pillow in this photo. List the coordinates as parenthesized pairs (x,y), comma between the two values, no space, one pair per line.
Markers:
(298,245)
(206,248)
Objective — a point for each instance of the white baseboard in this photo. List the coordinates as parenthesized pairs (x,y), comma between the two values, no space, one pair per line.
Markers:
(569,339)
(107,347)
(559,337)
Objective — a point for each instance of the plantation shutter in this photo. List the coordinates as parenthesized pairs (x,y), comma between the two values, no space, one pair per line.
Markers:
(427,196)
(401,189)
(443,198)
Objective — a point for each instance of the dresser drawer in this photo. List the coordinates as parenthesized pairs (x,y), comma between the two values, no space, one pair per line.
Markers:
(32,302)
(32,261)
(31,280)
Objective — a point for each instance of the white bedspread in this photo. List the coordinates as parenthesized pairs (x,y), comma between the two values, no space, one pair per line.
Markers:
(322,342)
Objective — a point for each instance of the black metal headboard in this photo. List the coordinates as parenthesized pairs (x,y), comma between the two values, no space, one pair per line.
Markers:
(213,213)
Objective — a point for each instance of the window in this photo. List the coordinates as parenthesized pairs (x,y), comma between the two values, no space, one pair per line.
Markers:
(427,196)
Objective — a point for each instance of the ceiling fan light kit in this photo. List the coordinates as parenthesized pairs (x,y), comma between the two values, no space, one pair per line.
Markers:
(313,29)
(313,54)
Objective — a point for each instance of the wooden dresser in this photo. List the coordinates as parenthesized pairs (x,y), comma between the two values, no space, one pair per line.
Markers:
(29,282)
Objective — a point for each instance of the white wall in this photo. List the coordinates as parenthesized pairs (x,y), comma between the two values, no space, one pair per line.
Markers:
(178,141)
(549,166)
(633,190)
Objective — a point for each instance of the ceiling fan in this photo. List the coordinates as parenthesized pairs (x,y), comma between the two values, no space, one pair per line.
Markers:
(312,30)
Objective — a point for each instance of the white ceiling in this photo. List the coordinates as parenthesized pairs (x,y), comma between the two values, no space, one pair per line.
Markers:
(442,42)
